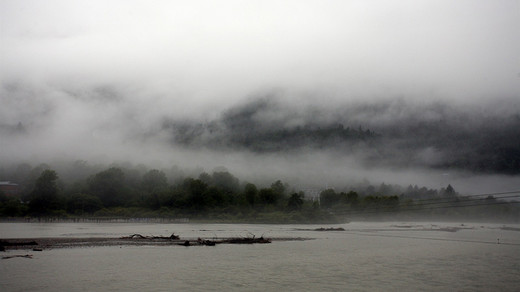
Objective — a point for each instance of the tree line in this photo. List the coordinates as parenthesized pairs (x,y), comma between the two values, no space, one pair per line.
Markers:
(219,195)
(110,193)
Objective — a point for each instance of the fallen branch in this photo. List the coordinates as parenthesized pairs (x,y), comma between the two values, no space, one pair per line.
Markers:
(139,236)
(247,240)
(134,236)
(330,229)
(29,256)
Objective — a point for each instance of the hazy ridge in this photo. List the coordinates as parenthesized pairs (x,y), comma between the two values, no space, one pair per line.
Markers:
(389,133)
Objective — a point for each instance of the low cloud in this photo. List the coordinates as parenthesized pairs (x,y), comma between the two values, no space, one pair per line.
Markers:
(436,83)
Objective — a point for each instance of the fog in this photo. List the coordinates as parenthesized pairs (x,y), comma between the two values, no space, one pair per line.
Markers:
(107,82)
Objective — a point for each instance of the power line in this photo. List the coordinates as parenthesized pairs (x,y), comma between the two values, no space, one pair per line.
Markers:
(465,198)
(396,209)
(436,204)
(456,201)
(377,209)
(471,196)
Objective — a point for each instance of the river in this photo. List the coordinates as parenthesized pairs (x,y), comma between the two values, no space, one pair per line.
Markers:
(367,256)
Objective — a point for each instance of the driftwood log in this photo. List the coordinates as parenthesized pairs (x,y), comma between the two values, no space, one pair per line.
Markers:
(29,256)
(330,229)
(17,243)
(139,236)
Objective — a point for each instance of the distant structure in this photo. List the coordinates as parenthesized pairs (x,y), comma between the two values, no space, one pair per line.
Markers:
(9,189)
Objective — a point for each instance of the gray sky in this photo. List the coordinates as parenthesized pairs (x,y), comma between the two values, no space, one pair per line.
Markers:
(208,51)
(84,76)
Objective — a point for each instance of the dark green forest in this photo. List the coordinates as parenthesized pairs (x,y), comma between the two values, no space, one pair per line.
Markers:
(136,192)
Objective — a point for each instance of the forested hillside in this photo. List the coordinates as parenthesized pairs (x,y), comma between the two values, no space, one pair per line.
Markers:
(393,134)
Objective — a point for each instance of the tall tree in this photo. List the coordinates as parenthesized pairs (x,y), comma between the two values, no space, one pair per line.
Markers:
(196,190)
(154,180)
(268,196)
(109,186)
(450,191)
(329,198)
(352,198)
(44,196)
(295,201)
(251,194)
(226,182)
(278,187)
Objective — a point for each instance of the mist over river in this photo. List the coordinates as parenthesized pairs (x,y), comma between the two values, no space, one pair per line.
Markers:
(367,256)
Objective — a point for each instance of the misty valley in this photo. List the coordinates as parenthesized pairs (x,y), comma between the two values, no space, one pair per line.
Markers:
(288,165)
(259,145)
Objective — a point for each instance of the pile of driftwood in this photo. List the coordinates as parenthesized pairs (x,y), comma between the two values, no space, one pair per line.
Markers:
(39,244)
(235,240)
(198,241)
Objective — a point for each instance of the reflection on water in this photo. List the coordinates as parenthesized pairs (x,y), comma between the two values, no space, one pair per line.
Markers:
(366,256)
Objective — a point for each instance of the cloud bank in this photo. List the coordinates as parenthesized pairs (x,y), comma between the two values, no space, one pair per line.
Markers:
(112,81)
